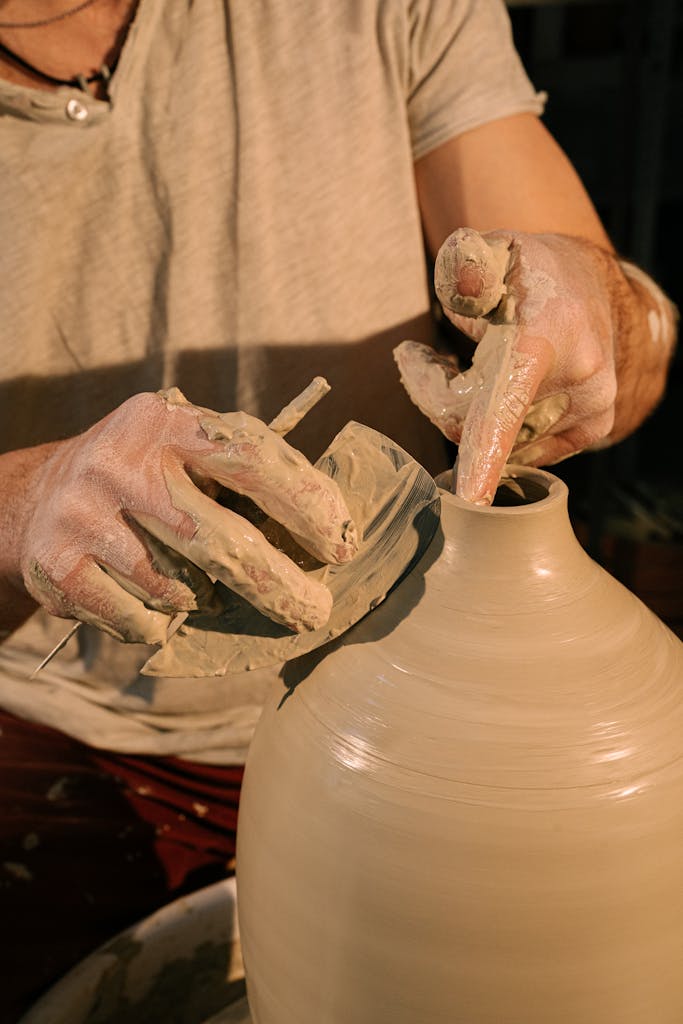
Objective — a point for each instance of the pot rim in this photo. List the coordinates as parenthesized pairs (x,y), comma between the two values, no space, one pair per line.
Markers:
(541,490)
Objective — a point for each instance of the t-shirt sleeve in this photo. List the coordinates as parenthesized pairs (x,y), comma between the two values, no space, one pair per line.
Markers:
(463,70)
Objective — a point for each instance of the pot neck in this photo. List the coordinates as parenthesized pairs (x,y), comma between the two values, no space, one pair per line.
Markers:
(529,531)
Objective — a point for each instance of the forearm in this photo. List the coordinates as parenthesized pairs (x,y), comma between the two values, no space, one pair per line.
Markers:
(507,174)
(17,472)
(645,327)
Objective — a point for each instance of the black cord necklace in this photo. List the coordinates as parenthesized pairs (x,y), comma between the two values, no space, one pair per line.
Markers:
(77,82)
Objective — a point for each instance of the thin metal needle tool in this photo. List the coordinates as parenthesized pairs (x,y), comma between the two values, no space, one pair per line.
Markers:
(56,649)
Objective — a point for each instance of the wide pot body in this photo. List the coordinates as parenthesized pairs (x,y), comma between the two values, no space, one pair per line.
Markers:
(470,809)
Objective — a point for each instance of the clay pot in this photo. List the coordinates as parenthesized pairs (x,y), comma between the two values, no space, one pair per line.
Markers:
(470,809)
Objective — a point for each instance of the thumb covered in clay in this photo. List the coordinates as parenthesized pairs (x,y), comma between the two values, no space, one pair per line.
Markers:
(123,531)
(542,384)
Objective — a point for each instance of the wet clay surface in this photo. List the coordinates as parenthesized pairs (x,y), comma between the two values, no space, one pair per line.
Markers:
(471,809)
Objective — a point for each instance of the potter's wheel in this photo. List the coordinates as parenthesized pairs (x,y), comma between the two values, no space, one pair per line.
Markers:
(181,965)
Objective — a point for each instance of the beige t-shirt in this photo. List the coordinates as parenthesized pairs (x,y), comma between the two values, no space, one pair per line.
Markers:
(240,217)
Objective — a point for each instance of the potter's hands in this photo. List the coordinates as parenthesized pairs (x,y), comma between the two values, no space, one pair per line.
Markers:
(550,314)
(102,501)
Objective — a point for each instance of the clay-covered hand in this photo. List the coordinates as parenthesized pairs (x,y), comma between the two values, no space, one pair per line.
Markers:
(558,324)
(102,502)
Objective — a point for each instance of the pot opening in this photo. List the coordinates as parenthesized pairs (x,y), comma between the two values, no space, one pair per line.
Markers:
(519,490)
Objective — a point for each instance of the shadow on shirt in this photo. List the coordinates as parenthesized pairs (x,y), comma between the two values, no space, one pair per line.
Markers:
(259,379)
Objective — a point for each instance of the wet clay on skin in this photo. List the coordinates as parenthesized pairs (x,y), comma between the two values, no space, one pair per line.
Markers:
(480,408)
(84,556)
(394,504)
(478,265)
(471,808)
(496,387)
(256,568)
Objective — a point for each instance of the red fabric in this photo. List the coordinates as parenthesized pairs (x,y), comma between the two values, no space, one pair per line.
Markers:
(92,841)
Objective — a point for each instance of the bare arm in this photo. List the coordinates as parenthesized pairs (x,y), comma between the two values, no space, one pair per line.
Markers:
(17,470)
(507,174)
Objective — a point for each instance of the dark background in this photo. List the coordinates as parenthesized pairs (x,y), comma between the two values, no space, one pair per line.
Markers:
(613,71)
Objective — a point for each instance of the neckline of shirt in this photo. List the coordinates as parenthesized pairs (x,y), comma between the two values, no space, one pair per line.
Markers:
(69,104)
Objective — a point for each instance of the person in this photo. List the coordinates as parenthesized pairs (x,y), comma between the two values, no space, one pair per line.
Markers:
(229,198)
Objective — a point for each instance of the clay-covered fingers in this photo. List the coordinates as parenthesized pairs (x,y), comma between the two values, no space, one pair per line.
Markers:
(229,548)
(486,408)
(113,580)
(483,408)
(250,458)
(470,276)
(510,367)
(92,595)
(542,384)
(562,425)
(435,385)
